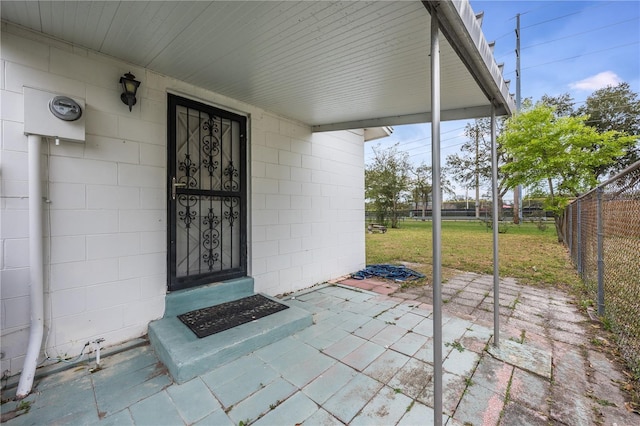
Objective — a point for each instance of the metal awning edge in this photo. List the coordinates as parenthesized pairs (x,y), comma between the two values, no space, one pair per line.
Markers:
(462,30)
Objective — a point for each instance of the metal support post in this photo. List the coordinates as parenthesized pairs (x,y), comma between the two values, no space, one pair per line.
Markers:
(496,270)
(579,237)
(437,219)
(600,254)
(570,229)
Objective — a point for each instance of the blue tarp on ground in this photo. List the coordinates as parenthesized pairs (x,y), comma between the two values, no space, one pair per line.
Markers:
(391,272)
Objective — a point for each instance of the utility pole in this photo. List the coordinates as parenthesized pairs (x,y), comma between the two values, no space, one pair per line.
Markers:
(476,132)
(517,193)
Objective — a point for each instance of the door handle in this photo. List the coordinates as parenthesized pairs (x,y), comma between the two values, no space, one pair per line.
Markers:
(174,185)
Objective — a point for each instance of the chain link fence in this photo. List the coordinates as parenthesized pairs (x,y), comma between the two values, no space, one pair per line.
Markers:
(602,232)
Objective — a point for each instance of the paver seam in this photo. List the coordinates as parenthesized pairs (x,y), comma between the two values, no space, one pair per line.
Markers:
(593,412)
(298,389)
(468,382)
(547,321)
(101,414)
(507,396)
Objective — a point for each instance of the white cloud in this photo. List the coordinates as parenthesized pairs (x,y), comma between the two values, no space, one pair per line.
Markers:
(598,81)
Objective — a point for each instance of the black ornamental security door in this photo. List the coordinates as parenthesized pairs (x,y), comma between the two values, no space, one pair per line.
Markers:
(207,194)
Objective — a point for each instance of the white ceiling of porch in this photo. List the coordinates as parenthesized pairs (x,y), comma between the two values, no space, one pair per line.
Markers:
(329,64)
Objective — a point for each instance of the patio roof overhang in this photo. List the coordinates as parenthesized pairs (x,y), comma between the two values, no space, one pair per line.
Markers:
(332,65)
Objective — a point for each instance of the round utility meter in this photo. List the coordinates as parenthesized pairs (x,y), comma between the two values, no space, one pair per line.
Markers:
(65,108)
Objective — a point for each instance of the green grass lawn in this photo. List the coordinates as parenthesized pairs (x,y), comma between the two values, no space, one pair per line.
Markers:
(532,256)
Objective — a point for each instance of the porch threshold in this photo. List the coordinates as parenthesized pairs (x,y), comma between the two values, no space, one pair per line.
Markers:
(187,356)
(181,301)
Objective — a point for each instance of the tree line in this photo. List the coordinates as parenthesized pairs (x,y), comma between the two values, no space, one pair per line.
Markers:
(550,147)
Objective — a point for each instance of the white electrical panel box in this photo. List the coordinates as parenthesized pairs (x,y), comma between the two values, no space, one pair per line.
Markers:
(53,115)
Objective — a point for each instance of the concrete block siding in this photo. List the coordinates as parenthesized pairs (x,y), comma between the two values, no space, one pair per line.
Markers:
(105,215)
(307,204)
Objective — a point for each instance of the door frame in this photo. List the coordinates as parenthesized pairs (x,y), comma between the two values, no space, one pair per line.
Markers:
(173,282)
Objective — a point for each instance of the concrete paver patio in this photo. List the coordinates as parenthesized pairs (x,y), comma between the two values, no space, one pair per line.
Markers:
(366,360)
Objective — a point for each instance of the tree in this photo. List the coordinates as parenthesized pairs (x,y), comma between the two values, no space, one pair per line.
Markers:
(545,149)
(611,108)
(615,108)
(472,166)
(421,186)
(387,182)
(563,104)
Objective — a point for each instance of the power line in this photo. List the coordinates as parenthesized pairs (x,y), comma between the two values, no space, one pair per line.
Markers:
(468,140)
(543,6)
(583,54)
(428,152)
(580,33)
(549,4)
(443,140)
(552,19)
(560,17)
(465,141)
(426,138)
(571,35)
(503,36)
(576,56)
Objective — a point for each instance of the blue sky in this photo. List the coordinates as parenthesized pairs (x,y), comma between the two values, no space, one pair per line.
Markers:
(572,47)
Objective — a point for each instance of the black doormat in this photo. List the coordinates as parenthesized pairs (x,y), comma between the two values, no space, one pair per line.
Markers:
(214,319)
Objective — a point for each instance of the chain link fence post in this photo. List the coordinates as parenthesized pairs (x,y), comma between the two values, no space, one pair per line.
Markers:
(579,244)
(606,253)
(600,254)
(570,230)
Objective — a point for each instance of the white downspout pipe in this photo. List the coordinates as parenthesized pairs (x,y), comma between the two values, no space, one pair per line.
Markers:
(36,268)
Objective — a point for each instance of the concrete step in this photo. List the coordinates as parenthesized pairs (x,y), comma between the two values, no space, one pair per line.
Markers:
(181,301)
(186,356)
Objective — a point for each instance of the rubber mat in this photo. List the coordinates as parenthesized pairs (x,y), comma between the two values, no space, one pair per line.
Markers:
(214,319)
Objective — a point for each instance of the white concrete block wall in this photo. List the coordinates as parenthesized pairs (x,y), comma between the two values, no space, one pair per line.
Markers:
(307,205)
(103,204)
(105,222)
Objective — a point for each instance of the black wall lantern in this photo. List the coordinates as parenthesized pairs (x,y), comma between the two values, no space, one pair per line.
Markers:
(129,89)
